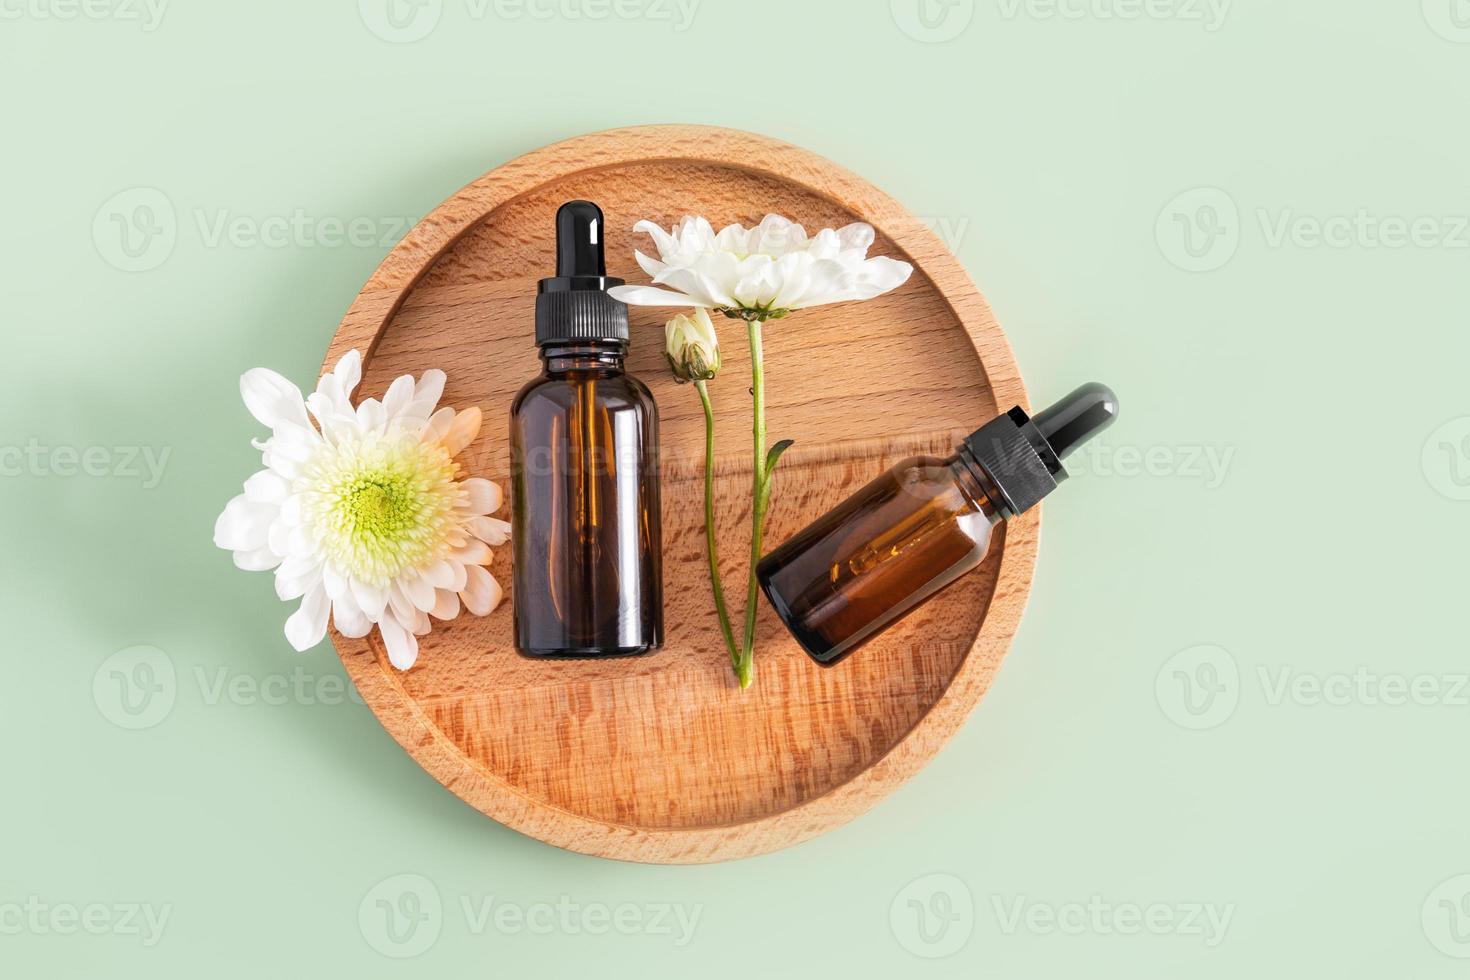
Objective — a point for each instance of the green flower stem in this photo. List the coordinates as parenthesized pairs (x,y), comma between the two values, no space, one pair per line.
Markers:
(744,666)
(709,524)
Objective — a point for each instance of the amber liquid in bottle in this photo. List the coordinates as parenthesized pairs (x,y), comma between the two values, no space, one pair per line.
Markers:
(923,524)
(886,549)
(584,470)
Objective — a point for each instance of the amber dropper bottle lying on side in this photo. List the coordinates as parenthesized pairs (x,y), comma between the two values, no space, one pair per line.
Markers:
(896,542)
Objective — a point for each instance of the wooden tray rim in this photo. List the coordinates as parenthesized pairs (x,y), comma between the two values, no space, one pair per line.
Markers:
(398,712)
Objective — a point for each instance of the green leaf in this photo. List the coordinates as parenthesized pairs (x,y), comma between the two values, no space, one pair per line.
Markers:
(775,453)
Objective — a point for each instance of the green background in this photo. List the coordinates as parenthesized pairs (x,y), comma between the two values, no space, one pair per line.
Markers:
(1237,687)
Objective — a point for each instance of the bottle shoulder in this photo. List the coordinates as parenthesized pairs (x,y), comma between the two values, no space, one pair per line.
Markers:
(613,392)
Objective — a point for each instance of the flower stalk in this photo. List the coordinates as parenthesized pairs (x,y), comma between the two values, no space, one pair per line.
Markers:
(710,543)
(751,274)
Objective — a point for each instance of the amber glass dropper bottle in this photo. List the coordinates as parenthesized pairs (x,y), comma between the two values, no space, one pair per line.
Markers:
(584,469)
(927,521)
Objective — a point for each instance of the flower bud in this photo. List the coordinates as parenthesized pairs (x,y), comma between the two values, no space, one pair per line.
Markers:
(692,348)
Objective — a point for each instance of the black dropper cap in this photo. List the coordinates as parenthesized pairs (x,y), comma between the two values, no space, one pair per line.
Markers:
(574,305)
(1023,455)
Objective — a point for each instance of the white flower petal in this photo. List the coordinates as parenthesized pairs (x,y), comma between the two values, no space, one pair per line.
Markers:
(370,415)
(403,646)
(348,371)
(473,552)
(482,593)
(259,560)
(372,598)
(446,605)
(398,397)
(335,583)
(349,619)
(650,296)
(484,497)
(399,605)
(308,624)
(267,487)
(244,525)
(426,394)
(490,530)
(418,590)
(463,432)
(440,575)
(439,424)
(271,398)
(279,538)
(300,542)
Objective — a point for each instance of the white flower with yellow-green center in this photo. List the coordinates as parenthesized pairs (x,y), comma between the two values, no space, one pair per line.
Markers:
(365,516)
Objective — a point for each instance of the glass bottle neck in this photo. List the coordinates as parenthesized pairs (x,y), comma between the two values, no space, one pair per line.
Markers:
(977,486)
(604,357)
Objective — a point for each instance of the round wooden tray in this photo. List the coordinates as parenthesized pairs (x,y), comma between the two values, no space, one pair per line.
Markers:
(662,758)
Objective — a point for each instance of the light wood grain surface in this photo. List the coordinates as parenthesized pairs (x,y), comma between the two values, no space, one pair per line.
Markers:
(663,759)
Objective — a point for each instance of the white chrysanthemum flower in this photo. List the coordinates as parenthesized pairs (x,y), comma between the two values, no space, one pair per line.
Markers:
(763,272)
(364,516)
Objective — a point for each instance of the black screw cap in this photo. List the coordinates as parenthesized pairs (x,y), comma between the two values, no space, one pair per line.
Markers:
(1023,456)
